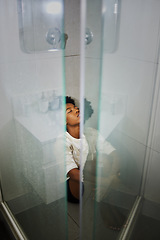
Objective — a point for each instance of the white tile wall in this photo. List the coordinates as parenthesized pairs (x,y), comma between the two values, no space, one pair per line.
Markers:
(72,68)
(156,133)
(92,66)
(93,58)
(25,72)
(138,39)
(131,154)
(30,76)
(20,77)
(93,22)
(134,79)
(139,29)
(50,73)
(9,41)
(131,71)
(5,110)
(20,73)
(92,82)
(72,51)
(72,26)
(153,178)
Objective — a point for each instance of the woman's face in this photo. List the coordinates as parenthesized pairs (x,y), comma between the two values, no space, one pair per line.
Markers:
(72,115)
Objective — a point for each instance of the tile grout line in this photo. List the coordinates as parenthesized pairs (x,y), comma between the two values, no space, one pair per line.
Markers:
(73,219)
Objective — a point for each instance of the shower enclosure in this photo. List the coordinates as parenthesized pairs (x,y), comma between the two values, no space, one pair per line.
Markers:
(122,82)
(105,54)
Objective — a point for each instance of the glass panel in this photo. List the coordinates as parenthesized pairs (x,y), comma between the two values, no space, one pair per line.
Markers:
(91,104)
(40,25)
(119,85)
(31,128)
(147,222)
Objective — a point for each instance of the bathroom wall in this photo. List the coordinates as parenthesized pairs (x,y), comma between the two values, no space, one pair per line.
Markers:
(153,154)
(92,53)
(131,71)
(72,51)
(93,58)
(20,73)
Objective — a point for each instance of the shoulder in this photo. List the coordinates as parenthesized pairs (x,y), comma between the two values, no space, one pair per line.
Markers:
(69,140)
(63,139)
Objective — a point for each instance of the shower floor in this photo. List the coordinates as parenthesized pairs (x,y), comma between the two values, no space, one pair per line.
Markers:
(147,225)
(146,228)
(5,232)
(38,220)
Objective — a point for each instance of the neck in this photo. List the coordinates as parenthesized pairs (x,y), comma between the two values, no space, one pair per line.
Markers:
(74,131)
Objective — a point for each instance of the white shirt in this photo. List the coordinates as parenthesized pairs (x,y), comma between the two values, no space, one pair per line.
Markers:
(73,157)
(73,145)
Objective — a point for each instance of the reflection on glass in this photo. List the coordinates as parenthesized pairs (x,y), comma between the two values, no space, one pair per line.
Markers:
(99,184)
(113,179)
(33,182)
(110,10)
(41,25)
(54,7)
(103,176)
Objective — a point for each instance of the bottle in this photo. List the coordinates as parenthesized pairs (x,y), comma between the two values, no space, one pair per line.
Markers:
(54,102)
(43,104)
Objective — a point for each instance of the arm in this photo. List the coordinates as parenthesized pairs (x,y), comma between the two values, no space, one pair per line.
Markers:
(74,174)
(74,182)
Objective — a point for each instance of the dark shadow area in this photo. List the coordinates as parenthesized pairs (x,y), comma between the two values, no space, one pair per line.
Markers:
(146,228)
(147,225)
(5,232)
(44,219)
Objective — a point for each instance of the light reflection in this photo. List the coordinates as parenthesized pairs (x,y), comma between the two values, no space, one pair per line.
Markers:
(54,8)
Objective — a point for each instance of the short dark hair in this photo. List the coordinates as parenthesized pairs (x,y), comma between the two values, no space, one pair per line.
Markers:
(88,110)
(70,100)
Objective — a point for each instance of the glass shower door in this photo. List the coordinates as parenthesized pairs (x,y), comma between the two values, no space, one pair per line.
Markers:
(32,116)
(119,86)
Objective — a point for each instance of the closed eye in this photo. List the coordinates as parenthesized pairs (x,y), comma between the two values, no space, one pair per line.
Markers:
(69,111)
